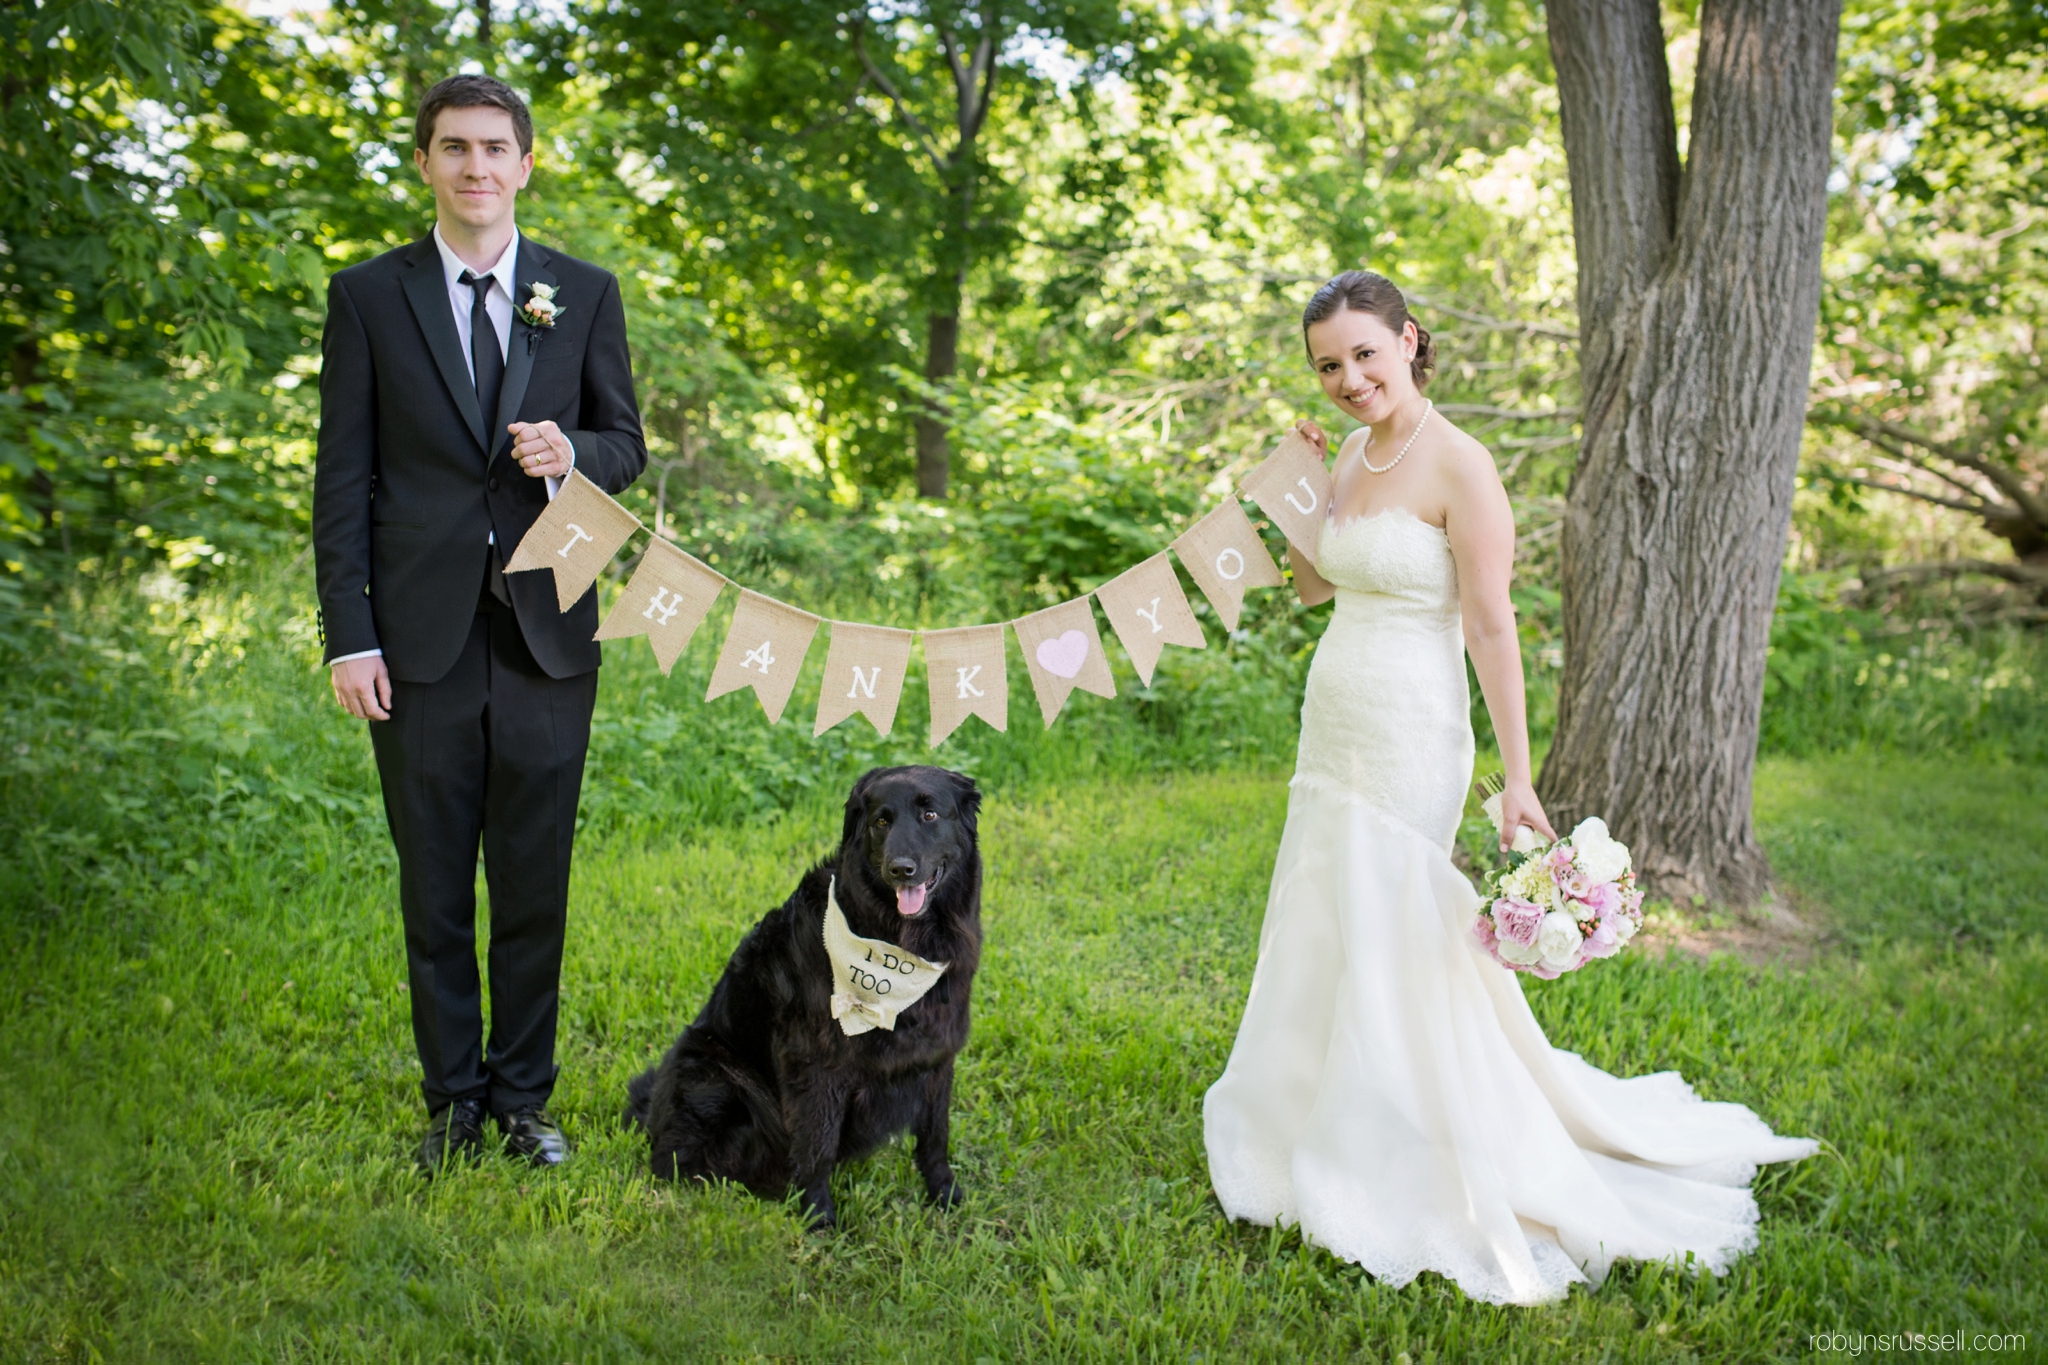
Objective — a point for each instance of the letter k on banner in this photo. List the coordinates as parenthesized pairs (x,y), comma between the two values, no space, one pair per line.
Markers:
(763,650)
(968,677)
(863,673)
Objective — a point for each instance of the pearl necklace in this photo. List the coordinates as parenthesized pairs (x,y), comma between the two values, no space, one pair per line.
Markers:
(1372,468)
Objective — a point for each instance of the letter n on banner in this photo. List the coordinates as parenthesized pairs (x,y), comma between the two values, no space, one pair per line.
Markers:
(1063,652)
(1293,488)
(1149,611)
(1225,556)
(576,537)
(863,673)
(763,650)
(968,676)
(669,597)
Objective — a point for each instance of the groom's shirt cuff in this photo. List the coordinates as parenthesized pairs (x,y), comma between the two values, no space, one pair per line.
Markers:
(555,484)
(363,654)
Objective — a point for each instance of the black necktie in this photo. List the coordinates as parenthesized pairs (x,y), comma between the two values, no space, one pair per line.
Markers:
(486,357)
(487,361)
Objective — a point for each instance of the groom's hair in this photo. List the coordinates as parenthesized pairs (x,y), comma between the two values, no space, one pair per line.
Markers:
(471,92)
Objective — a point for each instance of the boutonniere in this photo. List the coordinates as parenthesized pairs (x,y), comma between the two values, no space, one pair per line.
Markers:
(539,312)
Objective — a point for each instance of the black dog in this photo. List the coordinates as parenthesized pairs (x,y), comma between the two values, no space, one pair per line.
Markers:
(764,1088)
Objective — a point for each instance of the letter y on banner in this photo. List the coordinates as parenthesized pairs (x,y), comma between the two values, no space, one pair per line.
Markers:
(968,676)
(576,537)
(1225,556)
(1293,488)
(763,650)
(1149,611)
(863,673)
(669,597)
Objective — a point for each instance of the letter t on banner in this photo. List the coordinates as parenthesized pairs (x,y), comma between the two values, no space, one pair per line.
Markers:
(968,676)
(1293,488)
(1149,611)
(576,537)
(864,673)
(669,597)
(1225,556)
(763,650)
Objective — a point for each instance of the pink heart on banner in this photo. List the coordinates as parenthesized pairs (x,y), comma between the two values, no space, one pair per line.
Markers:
(1064,656)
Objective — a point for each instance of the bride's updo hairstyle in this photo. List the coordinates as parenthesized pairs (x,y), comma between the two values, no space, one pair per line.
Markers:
(1361,291)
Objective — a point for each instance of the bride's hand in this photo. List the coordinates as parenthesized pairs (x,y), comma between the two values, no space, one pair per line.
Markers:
(1313,434)
(1518,807)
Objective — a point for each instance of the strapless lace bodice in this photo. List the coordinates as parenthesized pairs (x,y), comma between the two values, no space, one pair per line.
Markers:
(1385,716)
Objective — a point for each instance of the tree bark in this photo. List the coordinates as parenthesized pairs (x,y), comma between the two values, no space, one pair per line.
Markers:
(1699,292)
(483,25)
(941,361)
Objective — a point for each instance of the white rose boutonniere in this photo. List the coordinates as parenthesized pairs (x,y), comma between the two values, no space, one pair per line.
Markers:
(540,309)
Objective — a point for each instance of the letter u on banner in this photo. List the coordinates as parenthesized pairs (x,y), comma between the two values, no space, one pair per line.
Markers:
(576,537)
(669,597)
(763,650)
(1225,556)
(863,673)
(1293,488)
(968,676)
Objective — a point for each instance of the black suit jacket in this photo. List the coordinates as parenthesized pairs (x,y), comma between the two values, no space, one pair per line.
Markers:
(411,479)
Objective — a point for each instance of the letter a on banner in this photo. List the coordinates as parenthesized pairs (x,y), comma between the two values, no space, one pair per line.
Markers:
(1063,652)
(1149,611)
(1225,556)
(576,537)
(763,650)
(968,676)
(864,674)
(669,597)
(1293,488)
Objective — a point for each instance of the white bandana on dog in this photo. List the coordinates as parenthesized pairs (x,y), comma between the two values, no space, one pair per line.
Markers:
(872,981)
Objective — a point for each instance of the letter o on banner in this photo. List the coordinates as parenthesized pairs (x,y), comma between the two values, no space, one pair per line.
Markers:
(1231,557)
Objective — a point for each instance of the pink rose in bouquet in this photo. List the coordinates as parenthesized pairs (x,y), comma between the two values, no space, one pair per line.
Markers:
(1556,907)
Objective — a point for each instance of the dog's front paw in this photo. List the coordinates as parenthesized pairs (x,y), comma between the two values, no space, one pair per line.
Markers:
(941,1189)
(819,1214)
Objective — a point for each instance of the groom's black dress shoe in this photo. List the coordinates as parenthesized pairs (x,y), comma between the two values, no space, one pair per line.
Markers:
(534,1135)
(457,1131)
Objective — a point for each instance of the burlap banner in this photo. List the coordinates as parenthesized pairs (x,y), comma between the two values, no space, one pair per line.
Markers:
(968,676)
(1293,488)
(763,650)
(1149,612)
(576,537)
(670,595)
(1063,652)
(1225,556)
(863,673)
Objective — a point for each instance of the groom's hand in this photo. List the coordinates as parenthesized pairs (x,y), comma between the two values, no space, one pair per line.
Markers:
(363,687)
(541,449)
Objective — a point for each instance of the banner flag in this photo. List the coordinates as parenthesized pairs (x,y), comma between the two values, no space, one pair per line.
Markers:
(576,537)
(763,650)
(668,598)
(1149,612)
(863,673)
(1293,488)
(968,675)
(1225,556)
(1063,652)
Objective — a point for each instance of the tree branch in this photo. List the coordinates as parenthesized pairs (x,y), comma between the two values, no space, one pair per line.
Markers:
(1534,329)
(2007,481)
(903,110)
(2012,572)
(1508,414)
(1908,491)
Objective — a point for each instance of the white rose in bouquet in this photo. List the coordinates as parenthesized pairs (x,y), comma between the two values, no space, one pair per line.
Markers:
(1600,856)
(1557,942)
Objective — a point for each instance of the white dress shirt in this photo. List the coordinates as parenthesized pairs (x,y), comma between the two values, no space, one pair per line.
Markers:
(497,303)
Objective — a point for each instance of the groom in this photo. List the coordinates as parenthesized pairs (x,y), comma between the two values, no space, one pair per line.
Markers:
(451,408)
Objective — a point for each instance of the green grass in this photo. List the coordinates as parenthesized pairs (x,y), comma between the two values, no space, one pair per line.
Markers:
(211,1095)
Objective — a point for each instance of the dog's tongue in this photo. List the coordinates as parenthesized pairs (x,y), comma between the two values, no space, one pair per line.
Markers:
(910,899)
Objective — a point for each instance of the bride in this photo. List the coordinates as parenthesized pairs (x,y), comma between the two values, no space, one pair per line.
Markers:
(1389,1089)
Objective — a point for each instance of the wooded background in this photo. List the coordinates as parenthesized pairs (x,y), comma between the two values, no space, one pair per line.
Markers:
(977,304)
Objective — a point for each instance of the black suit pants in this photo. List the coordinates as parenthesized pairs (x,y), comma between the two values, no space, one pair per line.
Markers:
(492,753)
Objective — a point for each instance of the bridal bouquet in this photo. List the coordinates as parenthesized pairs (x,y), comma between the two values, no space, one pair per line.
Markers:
(1556,907)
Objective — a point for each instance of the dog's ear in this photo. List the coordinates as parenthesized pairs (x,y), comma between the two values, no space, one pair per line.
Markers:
(857,805)
(968,797)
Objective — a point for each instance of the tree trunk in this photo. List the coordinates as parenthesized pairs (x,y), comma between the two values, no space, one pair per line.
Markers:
(483,25)
(1699,292)
(941,360)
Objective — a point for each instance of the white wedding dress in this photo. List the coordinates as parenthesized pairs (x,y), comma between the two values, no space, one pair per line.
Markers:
(1390,1090)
